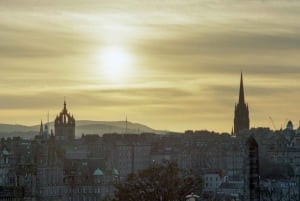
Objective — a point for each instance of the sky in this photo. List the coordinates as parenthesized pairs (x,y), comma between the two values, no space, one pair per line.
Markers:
(172,65)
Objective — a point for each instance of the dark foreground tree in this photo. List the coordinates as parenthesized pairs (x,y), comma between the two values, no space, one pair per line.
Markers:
(159,183)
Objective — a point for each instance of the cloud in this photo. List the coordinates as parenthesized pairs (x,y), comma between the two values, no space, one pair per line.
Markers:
(181,41)
(188,58)
(101,97)
(41,35)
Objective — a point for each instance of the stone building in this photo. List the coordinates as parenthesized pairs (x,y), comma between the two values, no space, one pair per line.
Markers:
(49,171)
(89,180)
(128,153)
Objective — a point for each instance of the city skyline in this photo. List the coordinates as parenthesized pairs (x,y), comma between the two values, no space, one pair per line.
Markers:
(171,65)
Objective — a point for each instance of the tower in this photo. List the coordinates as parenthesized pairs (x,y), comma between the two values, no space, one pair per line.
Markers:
(241,112)
(41,129)
(44,132)
(52,155)
(251,184)
(64,125)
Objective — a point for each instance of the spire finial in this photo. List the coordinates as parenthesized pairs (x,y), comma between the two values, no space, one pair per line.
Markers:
(41,128)
(241,95)
(65,104)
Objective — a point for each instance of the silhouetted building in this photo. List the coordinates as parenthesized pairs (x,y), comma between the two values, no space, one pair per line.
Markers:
(11,193)
(289,126)
(241,112)
(64,125)
(128,153)
(89,180)
(49,170)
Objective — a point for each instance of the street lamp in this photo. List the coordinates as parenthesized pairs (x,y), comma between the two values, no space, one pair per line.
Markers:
(192,197)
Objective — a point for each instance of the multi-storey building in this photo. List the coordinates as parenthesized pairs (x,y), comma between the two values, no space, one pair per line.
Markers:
(213,180)
(128,153)
(49,171)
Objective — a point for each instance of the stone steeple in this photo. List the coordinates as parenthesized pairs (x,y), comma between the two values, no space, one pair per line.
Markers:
(241,113)
(41,128)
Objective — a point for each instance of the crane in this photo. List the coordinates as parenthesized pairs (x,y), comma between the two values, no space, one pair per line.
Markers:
(272,122)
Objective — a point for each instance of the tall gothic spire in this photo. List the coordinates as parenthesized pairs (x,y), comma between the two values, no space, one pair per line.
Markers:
(65,105)
(242,96)
(41,128)
(241,111)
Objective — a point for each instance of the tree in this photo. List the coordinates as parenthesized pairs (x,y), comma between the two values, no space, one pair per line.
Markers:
(159,183)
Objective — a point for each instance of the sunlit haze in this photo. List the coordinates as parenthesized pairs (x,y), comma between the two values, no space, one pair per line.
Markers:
(171,65)
(114,64)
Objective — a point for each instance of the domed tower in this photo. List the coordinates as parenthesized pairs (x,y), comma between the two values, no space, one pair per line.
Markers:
(64,125)
(289,126)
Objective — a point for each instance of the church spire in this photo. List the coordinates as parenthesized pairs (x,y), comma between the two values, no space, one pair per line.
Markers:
(65,105)
(241,111)
(41,128)
(241,95)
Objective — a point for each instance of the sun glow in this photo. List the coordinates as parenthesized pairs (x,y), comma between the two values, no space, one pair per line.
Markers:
(115,64)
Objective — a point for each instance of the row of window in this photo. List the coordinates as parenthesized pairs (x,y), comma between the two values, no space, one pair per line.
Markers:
(56,191)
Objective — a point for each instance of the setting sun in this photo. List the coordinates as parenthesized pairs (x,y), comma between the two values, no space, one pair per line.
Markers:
(174,65)
(114,63)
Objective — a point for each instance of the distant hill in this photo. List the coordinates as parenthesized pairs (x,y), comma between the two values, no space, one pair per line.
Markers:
(82,126)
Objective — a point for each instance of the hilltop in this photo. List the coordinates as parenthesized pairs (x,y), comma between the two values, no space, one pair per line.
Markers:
(82,127)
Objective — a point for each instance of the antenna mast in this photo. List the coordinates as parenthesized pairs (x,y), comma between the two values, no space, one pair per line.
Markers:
(126,125)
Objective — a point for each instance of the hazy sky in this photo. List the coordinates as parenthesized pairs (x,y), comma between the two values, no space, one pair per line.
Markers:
(169,64)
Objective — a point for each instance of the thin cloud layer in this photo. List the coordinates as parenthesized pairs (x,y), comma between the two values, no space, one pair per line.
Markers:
(187,57)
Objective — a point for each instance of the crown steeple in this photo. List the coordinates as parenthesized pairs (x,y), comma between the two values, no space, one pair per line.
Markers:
(64,124)
(65,106)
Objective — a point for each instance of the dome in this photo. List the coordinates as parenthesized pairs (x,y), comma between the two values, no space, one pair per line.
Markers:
(289,125)
(5,152)
(298,130)
(98,172)
(115,172)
